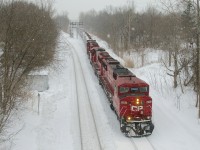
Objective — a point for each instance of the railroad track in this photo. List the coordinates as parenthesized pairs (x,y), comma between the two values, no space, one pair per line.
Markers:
(142,144)
(89,137)
(137,143)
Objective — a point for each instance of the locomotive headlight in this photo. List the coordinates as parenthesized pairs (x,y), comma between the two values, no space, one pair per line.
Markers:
(129,118)
(137,101)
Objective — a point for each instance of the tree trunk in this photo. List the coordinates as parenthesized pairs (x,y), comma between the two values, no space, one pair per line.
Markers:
(198,57)
(175,79)
(176,72)
(170,58)
(1,95)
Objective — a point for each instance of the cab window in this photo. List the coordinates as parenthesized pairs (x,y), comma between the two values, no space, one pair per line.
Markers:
(123,89)
(134,90)
(143,89)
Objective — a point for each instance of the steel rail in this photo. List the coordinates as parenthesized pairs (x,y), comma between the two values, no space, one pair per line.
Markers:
(75,56)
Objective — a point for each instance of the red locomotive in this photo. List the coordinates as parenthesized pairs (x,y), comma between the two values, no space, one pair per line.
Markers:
(128,95)
(96,55)
(91,44)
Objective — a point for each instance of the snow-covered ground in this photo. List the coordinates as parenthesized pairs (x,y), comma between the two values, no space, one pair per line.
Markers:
(74,113)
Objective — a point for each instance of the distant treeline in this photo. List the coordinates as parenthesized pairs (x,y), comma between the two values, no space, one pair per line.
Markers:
(124,28)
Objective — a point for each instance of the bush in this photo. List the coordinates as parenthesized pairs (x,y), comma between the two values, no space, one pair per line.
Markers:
(128,63)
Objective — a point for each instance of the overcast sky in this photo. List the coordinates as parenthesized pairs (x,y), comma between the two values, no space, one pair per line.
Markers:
(74,7)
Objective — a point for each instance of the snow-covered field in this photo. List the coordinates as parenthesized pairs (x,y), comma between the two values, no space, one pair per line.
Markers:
(74,113)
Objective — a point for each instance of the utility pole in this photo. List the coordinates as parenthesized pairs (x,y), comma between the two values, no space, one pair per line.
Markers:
(129,29)
(198,61)
(130,17)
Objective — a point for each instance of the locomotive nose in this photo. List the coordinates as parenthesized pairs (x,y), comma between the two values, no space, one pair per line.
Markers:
(136,108)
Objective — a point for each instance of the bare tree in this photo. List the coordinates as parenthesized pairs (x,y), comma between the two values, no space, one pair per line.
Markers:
(62,21)
(29,35)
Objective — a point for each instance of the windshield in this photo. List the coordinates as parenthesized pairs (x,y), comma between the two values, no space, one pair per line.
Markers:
(143,89)
(123,89)
(133,89)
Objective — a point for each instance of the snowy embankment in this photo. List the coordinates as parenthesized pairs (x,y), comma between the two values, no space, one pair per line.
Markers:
(75,114)
(51,128)
(175,115)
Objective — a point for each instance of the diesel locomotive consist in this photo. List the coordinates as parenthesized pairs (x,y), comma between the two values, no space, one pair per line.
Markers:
(127,94)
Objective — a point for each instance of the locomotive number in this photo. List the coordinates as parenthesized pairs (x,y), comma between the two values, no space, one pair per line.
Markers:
(136,108)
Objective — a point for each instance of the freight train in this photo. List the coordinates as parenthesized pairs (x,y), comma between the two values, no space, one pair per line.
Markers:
(127,94)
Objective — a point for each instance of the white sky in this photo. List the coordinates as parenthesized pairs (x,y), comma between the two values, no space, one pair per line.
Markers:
(74,7)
